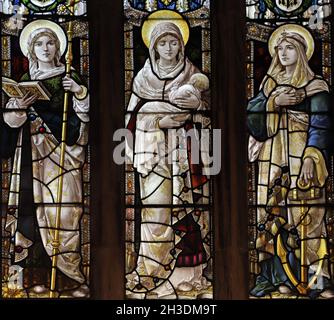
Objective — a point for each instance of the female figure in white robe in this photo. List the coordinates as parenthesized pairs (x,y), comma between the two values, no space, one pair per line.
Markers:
(172,255)
(34,178)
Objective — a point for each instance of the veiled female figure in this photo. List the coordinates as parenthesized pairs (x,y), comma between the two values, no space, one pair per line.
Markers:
(289,123)
(172,255)
(33,132)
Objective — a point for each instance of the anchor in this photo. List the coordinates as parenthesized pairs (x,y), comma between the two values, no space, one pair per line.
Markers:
(303,193)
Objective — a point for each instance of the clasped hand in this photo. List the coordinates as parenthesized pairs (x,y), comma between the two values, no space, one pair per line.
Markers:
(290,97)
(70,85)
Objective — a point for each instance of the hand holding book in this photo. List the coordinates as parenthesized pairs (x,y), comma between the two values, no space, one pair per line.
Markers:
(26,101)
(20,90)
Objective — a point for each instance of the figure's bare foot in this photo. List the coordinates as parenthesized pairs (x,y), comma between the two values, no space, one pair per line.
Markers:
(284,289)
(185,287)
(39,289)
(327,294)
(81,292)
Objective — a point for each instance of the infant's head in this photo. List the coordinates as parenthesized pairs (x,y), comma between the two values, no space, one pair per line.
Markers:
(200,81)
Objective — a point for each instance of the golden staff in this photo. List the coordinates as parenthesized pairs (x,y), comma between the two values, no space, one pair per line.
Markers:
(303,245)
(303,234)
(322,252)
(55,242)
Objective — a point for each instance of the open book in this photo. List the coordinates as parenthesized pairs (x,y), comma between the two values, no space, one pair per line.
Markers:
(19,89)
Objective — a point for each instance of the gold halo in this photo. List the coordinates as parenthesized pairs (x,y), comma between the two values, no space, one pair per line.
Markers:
(292,28)
(37,24)
(164,16)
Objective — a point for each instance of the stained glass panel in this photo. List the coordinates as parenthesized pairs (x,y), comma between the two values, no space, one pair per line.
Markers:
(45,157)
(168,197)
(290,173)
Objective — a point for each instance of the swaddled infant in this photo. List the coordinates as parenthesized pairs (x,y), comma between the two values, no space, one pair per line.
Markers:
(149,112)
(197,84)
(149,137)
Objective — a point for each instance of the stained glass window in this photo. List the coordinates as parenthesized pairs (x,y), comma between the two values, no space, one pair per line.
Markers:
(168,194)
(45,160)
(290,189)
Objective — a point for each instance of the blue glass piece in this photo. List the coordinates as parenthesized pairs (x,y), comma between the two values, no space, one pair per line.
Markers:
(155,280)
(138,4)
(195,4)
(32,116)
(262,6)
(171,6)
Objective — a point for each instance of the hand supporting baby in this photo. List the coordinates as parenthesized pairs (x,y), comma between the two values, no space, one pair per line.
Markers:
(173,121)
(188,101)
(186,96)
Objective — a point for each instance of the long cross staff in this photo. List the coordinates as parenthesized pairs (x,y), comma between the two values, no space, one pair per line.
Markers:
(55,242)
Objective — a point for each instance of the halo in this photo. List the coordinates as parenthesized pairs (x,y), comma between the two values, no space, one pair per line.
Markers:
(292,28)
(32,26)
(165,16)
